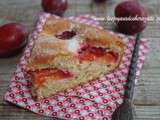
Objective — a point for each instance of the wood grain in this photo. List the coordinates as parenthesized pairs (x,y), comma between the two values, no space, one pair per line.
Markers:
(147,93)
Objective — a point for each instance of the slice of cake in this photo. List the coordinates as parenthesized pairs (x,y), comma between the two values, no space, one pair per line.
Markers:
(67,54)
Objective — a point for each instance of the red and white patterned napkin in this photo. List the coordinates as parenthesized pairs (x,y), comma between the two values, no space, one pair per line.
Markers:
(95,100)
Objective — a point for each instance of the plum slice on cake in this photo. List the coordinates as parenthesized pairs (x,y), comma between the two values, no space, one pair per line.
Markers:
(67,54)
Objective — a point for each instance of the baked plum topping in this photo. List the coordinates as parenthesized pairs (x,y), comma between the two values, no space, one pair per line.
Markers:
(66,35)
(92,53)
(111,56)
(39,76)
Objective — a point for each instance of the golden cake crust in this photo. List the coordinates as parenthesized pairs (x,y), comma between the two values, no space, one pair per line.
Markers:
(51,51)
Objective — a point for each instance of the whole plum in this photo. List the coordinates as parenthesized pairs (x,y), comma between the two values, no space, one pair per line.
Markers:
(12,38)
(131,9)
(57,7)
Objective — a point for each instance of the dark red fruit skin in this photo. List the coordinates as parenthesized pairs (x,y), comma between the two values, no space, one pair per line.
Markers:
(99,1)
(66,35)
(12,39)
(130,9)
(57,7)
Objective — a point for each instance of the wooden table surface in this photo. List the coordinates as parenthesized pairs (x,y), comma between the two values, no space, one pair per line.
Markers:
(147,93)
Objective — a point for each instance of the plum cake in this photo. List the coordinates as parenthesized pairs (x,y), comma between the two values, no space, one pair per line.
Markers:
(67,54)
